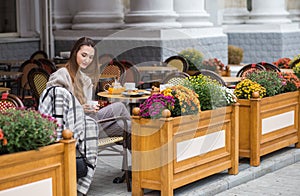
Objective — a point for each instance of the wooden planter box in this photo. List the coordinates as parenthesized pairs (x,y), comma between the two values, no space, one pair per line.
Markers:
(168,153)
(268,124)
(51,170)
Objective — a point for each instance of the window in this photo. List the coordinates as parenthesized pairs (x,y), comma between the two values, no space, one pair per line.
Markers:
(8,17)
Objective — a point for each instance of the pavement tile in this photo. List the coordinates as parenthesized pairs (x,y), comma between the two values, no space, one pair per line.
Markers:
(287,159)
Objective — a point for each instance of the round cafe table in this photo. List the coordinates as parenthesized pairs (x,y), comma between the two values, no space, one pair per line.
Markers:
(231,79)
(130,102)
(121,98)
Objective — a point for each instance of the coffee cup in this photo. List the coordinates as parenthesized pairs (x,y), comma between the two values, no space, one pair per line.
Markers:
(129,86)
(92,103)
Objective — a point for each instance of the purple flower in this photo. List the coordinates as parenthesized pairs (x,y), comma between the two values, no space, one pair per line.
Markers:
(155,104)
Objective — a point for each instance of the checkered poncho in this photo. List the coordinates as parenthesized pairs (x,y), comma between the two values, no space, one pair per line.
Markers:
(61,104)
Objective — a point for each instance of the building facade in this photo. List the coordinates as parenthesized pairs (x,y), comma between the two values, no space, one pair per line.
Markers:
(144,31)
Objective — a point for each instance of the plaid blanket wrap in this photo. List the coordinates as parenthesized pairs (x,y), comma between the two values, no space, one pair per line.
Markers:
(61,104)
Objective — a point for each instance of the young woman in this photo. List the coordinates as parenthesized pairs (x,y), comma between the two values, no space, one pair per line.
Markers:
(72,78)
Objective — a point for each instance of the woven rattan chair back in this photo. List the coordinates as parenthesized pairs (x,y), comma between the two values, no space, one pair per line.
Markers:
(175,78)
(37,79)
(177,61)
(114,69)
(25,68)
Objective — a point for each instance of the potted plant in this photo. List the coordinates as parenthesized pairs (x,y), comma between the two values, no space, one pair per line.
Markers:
(174,143)
(269,113)
(283,63)
(194,58)
(235,55)
(294,61)
(296,69)
(30,154)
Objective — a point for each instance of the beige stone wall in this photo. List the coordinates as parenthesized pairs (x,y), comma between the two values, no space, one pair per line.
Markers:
(235,3)
(293,4)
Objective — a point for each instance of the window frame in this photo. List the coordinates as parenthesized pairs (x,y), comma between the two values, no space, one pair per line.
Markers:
(28,25)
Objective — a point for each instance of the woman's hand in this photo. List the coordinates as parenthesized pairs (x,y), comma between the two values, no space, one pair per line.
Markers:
(88,108)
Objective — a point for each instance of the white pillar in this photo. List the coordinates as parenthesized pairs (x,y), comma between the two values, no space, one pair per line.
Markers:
(98,14)
(235,12)
(192,13)
(268,11)
(293,7)
(61,17)
(151,13)
(215,9)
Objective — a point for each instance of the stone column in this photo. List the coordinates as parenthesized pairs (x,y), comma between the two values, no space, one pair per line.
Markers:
(151,13)
(99,14)
(235,12)
(268,11)
(192,13)
(293,7)
(62,17)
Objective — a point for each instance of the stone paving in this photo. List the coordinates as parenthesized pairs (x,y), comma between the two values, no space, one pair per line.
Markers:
(285,181)
(278,174)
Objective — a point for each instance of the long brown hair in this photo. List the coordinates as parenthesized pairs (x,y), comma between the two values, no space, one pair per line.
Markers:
(73,67)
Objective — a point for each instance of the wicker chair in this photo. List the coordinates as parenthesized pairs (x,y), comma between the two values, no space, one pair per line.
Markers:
(175,78)
(213,76)
(48,65)
(10,101)
(39,55)
(269,66)
(249,68)
(179,62)
(24,88)
(114,69)
(37,79)
(107,146)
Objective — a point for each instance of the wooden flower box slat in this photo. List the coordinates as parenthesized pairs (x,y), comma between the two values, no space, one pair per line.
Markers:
(168,153)
(53,165)
(268,124)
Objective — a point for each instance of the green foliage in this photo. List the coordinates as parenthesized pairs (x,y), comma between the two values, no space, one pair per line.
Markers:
(291,80)
(296,69)
(211,94)
(194,58)
(22,130)
(295,61)
(270,80)
(235,55)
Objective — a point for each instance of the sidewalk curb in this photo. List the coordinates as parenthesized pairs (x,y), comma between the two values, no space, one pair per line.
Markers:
(223,181)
